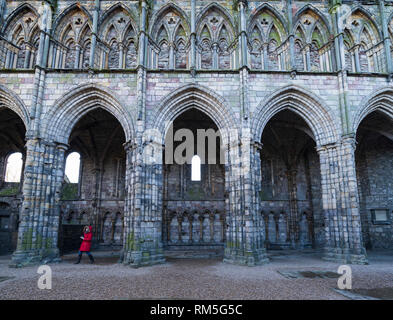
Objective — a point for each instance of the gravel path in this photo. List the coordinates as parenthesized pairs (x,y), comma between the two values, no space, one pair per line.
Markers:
(191,279)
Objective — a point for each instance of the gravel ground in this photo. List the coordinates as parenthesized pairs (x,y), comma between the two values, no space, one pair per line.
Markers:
(191,279)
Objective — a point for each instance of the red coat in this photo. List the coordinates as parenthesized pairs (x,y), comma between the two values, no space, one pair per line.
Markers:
(86,243)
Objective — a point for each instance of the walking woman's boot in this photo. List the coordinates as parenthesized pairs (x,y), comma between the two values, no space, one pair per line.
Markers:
(79,258)
(91,258)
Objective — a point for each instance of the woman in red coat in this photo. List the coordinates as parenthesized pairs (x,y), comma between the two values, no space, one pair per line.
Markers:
(86,244)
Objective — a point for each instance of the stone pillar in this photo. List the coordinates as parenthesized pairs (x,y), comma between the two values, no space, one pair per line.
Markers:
(215,55)
(171,56)
(94,33)
(142,36)
(26,63)
(265,57)
(386,38)
(41,64)
(40,211)
(193,37)
(245,238)
(357,59)
(291,36)
(121,56)
(243,32)
(77,56)
(3,4)
(338,36)
(340,202)
(308,59)
(142,241)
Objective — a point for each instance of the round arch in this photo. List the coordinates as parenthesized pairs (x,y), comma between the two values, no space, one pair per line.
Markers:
(69,109)
(188,97)
(306,105)
(381,100)
(10,100)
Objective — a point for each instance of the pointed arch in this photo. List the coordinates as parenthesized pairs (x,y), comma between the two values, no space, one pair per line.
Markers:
(322,20)
(121,18)
(381,100)
(70,108)
(368,22)
(278,20)
(304,103)
(15,16)
(203,16)
(63,19)
(158,21)
(188,97)
(10,100)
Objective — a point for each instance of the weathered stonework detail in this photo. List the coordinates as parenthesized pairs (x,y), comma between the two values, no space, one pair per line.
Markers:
(302,104)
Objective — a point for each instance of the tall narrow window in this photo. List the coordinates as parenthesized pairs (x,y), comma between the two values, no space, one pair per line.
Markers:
(196,168)
(14,167)
(72,167)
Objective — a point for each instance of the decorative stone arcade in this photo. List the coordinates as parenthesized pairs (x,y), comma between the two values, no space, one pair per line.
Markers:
(239,63)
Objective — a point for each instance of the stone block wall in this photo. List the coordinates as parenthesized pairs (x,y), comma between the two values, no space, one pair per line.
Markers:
(241,63)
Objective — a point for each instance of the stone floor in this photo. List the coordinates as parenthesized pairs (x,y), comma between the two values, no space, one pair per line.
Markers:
(289,275)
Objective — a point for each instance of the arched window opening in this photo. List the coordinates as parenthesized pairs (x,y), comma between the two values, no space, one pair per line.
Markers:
(196,168)
(72,168)
(14,167)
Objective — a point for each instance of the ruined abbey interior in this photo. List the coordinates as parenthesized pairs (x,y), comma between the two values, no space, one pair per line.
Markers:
(298,93)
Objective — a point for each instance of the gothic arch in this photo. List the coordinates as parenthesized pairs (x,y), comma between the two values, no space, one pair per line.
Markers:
(273,13)
(227,21)
(193,96)
(67,111)
(160,14)
(105,22)
(381,100)
(10,100)
(303,103)
(61,23)
(17,13)
(315,11)
(371,26)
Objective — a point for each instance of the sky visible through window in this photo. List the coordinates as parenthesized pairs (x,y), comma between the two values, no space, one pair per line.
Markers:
(14,167)
(72,167)
(196,168)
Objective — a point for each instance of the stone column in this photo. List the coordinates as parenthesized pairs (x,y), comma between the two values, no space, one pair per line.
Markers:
(340,202)
(121,56)
(142,242)
(243,32)
(265,57)
(40,211)
(338,36)
(193,37)
(245,238)
(215,55)
(26,64)
(171,56)
(77,56)
(386,38)
(357,59)
(308,59)
(291,36)
(94,33)
(3,4)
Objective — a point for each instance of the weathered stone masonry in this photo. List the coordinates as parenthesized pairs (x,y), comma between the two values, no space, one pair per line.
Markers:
(297,93)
